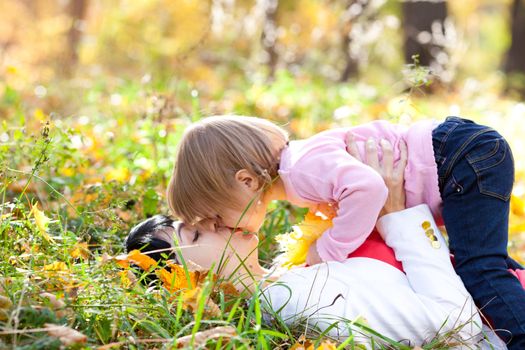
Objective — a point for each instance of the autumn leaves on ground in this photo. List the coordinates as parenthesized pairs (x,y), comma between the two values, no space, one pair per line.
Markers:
(94,97)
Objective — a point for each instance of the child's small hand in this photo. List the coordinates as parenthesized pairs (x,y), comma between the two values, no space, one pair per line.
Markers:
(313,258)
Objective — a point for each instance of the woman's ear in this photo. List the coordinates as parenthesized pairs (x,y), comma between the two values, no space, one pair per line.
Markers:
(247,180)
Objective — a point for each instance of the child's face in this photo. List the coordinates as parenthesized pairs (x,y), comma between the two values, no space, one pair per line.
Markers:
(251,202)
(249,220)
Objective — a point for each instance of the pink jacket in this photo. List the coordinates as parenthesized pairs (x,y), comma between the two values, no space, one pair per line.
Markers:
(319,170)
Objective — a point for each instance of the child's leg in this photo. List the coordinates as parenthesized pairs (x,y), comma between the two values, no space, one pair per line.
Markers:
(476,173)
(513,264)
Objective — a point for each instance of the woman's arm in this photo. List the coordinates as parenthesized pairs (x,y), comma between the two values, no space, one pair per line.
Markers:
(420,247)
(418,243)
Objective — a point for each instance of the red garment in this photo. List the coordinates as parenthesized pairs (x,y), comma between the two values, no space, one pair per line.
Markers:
(375,248)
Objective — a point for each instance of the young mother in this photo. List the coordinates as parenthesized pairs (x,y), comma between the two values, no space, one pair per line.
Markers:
(427,299)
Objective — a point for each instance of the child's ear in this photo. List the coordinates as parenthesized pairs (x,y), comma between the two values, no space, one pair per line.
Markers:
(247,180)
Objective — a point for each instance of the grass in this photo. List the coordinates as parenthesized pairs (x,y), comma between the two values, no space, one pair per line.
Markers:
(104,165)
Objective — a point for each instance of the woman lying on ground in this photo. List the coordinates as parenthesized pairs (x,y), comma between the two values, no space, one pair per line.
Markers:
(413,306)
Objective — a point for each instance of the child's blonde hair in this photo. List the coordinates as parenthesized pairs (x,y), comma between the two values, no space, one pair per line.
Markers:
(211,152)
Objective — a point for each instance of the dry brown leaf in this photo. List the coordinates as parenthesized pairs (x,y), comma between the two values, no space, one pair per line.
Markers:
(200,338)
(229,289)
(5,302)
(191,300)
(105,258)
(66,335)
(58,305)
(4,315)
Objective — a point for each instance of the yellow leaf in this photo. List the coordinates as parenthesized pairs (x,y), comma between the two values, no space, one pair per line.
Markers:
(42,222)
(11,69)
(295,245)
(5,216)
(517,205)
(80,250)
(39,115)
(127,278)
(57,266)
(143,261)
(176,279)
(68,172)
(120,175)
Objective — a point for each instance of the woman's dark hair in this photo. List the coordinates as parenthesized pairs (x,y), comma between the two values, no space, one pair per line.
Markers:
(142,237)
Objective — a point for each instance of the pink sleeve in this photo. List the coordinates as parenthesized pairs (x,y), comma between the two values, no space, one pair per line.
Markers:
(330,174)
(520,275)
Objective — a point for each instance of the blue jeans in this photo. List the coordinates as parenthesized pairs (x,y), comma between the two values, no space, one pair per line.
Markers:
(476,175)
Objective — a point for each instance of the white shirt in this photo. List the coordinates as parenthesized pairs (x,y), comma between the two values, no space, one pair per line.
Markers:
(412,307)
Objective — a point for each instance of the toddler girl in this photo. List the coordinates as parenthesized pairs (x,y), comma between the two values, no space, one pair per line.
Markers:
(229,168)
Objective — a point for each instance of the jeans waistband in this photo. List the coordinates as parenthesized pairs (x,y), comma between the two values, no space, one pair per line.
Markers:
(452,139)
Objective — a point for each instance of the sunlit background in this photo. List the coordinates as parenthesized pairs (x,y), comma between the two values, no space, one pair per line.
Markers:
(95,94)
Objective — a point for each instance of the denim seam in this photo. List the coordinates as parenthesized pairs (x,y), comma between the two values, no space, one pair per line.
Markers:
(460,150)
(485,156)
(492,165)
(478,175)
(511,310)
(445,138)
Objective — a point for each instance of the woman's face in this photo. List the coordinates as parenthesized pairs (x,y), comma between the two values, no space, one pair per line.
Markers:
(221,249)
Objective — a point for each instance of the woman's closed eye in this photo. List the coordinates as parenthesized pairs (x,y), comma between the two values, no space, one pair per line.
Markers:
(197,234)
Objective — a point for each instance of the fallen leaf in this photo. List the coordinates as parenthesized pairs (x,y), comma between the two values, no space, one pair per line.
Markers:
(191,299)
(176,279)
(57,266)
(295,244)
(4,315)
(127,278)
(42,221)
(66,335)
(80,250)
(143,261)
(57,304)
(200,338)
(5,302)
(306,344)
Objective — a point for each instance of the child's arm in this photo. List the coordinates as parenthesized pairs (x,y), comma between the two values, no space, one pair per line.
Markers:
(330,174)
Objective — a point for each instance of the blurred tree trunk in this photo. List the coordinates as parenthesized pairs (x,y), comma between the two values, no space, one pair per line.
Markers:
(77,12)
(419,16)
(269,35)
(515,60)
(351,65)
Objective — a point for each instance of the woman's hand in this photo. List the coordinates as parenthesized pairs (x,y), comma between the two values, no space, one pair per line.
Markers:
(394,176)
